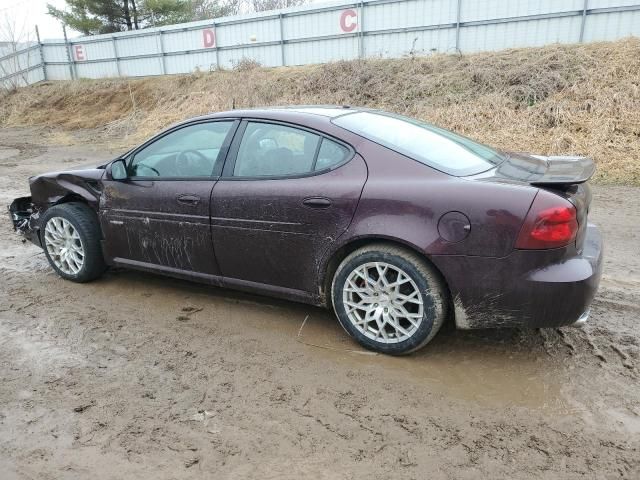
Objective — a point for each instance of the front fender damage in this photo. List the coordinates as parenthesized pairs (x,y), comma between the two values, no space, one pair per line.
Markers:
(51,189)
(25,217)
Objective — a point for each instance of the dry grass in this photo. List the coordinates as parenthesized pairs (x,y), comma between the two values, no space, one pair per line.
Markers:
(576,99)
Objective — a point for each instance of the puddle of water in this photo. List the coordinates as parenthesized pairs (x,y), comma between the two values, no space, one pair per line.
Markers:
(491,376)
(487,371)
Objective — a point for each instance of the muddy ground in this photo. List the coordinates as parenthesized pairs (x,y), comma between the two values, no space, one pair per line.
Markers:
(138,376)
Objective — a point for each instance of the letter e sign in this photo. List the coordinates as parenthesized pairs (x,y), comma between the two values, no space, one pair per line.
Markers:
(208,38)
(348,20)
(79,53)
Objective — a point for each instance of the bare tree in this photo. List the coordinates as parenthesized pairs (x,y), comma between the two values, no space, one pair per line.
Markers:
(14,38)
(262,5)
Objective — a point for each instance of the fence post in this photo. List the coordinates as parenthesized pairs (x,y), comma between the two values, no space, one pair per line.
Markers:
(163,67)
(44,67)
(361,30)
(584,20)
(215,36)
(115,54)
(68,49)
(458,26)
(281,40)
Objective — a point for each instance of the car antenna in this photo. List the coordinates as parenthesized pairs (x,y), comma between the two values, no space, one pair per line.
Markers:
(233,104)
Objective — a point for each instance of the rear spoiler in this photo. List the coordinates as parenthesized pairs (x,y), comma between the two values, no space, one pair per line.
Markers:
(565,170)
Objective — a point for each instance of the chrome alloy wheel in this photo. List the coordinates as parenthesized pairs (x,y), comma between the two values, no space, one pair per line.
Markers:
(383,302)
(64,245)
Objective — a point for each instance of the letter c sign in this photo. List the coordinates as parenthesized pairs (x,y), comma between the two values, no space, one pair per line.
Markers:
(348,20)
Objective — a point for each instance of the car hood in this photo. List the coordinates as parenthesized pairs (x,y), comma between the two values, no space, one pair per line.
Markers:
(51,187)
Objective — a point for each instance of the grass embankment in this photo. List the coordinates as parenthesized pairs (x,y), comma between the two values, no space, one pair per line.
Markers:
(575,99)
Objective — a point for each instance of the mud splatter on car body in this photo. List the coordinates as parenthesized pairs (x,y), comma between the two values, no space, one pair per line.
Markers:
(284,236)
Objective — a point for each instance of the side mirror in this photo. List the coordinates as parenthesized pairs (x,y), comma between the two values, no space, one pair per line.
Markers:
(118,170)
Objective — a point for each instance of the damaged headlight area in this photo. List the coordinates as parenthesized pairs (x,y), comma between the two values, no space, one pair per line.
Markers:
(25,216)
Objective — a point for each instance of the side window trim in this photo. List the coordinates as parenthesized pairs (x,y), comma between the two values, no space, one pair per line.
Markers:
(222,155)
(230,162)
(315,155)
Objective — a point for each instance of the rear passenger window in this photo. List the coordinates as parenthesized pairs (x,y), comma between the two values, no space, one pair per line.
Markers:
(270,150)
(331,153)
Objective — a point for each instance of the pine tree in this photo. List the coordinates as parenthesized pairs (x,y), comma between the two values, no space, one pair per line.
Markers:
(93,17)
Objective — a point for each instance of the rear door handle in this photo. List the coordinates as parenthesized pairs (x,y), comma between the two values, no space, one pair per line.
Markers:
(188,199)
(317,202)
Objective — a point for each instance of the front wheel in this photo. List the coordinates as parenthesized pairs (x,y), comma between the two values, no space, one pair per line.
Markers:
(70,236)
(389,299)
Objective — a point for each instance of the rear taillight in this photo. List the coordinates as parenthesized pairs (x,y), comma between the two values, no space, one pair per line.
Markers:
(550,223)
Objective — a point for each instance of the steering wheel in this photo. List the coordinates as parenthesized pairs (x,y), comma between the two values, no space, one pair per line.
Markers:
(138,165)
(186,164)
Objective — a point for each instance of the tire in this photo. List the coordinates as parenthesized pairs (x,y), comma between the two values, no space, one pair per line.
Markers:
(415,279)
(64,249)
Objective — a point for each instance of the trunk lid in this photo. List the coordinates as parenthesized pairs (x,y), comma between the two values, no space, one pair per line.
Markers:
(564,176)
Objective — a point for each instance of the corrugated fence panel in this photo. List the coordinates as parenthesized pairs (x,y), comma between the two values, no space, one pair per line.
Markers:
(413,13)
(137,45)
(97,70)
(474,10)
(342,30)
(182,41)
(140,67)
(320,24)
(95,51)
(54,53)
(393,45)
(250,32)
(268,55)
(58,72)
(611,3)
(203,61)
(321,51)
(528,33)
(610,26)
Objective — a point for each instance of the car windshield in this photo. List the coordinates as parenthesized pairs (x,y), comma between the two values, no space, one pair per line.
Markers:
(439,148)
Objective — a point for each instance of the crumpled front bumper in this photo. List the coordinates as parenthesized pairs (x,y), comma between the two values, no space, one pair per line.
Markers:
(25,218)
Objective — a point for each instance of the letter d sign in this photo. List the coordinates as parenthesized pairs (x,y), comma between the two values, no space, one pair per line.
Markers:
(208,38)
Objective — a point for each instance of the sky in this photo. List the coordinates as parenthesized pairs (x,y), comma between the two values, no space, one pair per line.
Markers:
(24,15)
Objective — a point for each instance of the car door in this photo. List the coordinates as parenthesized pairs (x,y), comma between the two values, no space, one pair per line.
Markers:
(158,217)
(285,195)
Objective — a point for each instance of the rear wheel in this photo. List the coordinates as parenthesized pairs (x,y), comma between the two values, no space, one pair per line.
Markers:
(70,236)
(389,299)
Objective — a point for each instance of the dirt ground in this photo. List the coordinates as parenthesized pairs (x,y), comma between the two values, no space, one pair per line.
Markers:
(138,376)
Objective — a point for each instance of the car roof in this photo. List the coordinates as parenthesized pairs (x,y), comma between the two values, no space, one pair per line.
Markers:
(298,112)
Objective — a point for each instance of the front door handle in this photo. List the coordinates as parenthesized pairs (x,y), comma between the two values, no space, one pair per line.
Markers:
(317,202)
(188,199)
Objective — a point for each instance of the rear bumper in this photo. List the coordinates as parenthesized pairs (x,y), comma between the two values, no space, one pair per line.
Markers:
(527,288)
(25,219)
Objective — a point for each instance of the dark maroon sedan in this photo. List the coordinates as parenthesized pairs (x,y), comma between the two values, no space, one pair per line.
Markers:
(393,223)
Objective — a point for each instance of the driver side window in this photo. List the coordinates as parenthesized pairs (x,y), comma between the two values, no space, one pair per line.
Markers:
(191,151)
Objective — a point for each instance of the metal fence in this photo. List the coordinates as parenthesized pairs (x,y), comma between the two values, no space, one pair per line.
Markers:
(323,33)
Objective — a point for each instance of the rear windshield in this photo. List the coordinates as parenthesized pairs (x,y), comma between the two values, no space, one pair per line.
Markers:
(433,146)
